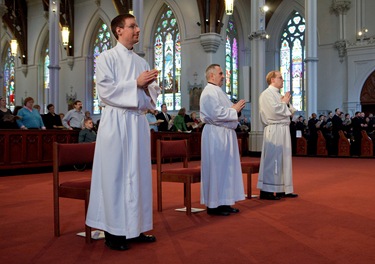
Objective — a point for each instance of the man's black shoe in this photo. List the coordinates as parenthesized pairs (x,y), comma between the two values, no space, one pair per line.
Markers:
(288,195)
(115,242)
(216,211)
(229,209)
(268,196)
(142,238)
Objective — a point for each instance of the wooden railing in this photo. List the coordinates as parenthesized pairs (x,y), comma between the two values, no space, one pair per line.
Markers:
(194,142)
(31,148)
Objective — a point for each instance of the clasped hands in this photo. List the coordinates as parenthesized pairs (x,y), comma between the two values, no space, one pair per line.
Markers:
(146,78)
(286,97)
(239,105)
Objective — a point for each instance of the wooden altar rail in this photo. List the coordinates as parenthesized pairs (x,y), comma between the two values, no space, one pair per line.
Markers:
(31,148)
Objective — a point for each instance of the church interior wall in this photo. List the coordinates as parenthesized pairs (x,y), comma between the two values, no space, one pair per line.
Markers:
(336,86)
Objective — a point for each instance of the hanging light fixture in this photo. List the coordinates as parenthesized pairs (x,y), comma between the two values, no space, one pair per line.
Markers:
(13,47)
(229,7)
(65,29)
(65,35)
(14,42)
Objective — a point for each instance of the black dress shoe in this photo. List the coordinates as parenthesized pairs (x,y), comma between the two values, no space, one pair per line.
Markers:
(115,242)
(288,195)
(229,209)
(216,211)
(291,195)
(268,196)
(142,238)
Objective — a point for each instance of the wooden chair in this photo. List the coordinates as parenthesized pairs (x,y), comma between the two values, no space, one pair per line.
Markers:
(248,167)
(70,155)
(171,149)
(321,146)
(367,148)
(343,145)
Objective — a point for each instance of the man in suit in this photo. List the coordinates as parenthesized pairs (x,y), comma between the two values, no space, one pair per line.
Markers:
(312,124)
(336,127)
(163,115)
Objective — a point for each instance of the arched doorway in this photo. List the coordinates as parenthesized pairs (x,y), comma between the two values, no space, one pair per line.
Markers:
(368,95)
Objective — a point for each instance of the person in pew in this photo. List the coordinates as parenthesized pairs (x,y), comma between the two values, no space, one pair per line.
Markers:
(29,116)
(7,119)
(221,174)
(275,171)
(51,119)
(336,127)
(87,134)
(179,121)
(74,118)
(121,186)
(313,129)
(152,121)
(163,115)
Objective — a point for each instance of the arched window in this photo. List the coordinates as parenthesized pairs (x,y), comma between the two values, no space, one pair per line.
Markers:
(167,50)
(46,84)
(231,61)
(9,79)
(292,57)
(101,43)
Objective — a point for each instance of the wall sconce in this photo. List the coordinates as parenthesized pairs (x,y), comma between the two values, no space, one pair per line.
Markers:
(229,4)
(362,34)
(65,35)
(259,35)
(264,9)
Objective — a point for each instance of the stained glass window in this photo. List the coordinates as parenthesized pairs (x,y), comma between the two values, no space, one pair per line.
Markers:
(102,42)
(46,84)
(167,50)
(9,79)
(231,61)
(292,56)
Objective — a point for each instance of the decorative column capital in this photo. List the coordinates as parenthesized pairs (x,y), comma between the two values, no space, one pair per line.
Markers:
(340,45)
(3,10)
(210,42)
(340,7)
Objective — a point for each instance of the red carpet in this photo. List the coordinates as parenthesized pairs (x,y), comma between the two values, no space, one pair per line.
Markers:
(333,221)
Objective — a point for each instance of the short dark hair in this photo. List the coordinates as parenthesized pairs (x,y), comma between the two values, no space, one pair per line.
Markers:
(76,102)
(161,107)
(119,21)
(49,106)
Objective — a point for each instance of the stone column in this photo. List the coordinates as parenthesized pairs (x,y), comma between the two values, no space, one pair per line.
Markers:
(3,11)
(258,72)
(54,45)
(311,56)
(138,11)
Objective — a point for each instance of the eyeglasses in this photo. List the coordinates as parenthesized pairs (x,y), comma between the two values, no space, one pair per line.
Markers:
(132,27)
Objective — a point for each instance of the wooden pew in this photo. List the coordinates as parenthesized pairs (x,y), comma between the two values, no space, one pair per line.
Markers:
(367,148)
(321,146)
(31,148)
(343,145)
(301,146)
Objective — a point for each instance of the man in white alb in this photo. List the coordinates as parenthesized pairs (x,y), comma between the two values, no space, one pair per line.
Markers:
(221,184)
(121,187)
(275,172)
